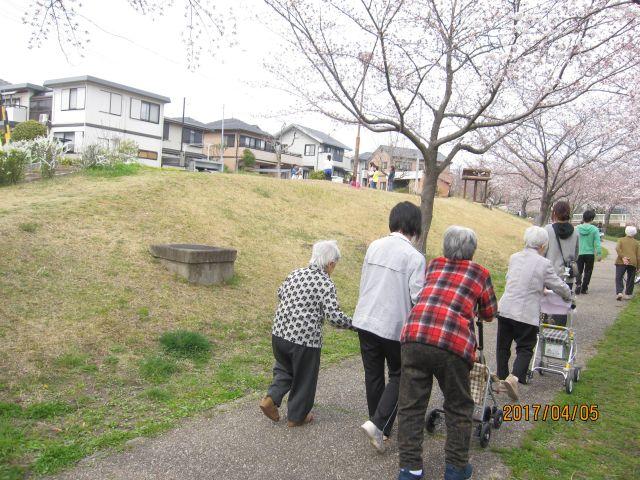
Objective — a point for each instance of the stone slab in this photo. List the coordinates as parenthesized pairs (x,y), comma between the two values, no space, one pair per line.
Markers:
(191,253)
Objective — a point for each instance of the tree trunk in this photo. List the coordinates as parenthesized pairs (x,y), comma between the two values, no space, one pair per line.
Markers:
(607,219)
(427,200)
(545,210)
(523,207)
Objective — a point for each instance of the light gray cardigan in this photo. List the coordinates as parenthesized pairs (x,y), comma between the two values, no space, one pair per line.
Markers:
(529,273)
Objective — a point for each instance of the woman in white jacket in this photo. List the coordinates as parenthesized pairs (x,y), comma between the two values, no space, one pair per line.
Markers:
(519,308)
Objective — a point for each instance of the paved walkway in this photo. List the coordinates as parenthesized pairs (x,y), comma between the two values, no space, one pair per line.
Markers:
(239,443)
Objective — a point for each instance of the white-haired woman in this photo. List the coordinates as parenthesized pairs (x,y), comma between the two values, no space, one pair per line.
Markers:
(307,297)
(628,260)
(528,275)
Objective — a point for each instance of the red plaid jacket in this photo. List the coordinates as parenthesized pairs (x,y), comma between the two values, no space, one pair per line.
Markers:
(444,314)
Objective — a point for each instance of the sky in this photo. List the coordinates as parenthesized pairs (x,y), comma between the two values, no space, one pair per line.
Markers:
(148,53)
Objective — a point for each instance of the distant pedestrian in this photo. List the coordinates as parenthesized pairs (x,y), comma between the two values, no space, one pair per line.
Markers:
(628,249)
(392,278)
(296,173)
(528,275)
(375,178)
(439,340)
(391,178)
(306,298)
(563,245)
(328,168)
(589,247)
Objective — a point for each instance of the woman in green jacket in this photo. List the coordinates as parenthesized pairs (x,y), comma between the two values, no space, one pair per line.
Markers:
(589,246)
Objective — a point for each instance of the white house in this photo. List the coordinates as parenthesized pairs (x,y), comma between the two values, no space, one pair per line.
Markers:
(88,110)
(316,148)
(186,138)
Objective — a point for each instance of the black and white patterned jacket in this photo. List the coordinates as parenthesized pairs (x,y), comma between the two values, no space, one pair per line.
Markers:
(307,297)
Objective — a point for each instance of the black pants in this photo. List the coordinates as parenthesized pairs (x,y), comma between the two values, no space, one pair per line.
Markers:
(382,399)
(585,268)
(630,272)
(525,336)
(420,363)
(295,371)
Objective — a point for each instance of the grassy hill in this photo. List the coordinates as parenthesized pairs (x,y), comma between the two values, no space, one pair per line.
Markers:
(83,303)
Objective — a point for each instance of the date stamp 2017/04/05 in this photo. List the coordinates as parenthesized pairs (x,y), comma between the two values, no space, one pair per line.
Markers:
(556,413)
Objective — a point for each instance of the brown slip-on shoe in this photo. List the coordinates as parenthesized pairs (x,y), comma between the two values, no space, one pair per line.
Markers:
(307,419)
(511,386)
(269,408)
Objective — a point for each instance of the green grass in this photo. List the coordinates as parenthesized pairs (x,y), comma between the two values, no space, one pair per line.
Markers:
(608,448)
(118,170)
(84,303)
(186,344)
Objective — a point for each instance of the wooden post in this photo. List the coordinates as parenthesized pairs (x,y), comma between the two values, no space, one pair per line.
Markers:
(475,189)
(464,190)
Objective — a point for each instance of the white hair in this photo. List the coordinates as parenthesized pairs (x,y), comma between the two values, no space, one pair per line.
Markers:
(536,237)
(459,243)
(324,252)
(630,231)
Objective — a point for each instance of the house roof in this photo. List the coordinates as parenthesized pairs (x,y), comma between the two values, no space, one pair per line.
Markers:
(106,83)
(366,156)
(5,86)
(401,152)
(318,136)
(4,82)
(192,122)
(236,124)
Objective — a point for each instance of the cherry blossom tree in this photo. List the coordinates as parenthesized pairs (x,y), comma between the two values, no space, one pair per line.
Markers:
(453,75)
(64,20)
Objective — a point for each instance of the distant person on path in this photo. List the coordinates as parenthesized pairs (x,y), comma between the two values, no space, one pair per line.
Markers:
(439,340)
(589,247)
(372,176)
(390,178)
(296,173)
(328,168)
(628,249)
(528,275)
(306,298)
(563,245)
(392,278)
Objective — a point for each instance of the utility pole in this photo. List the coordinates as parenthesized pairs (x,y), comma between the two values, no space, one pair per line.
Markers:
(182,160)
(278,148)
(356,153)
(222,145)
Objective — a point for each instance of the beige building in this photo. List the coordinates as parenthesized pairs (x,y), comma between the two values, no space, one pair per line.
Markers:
(409,165)
(238,136)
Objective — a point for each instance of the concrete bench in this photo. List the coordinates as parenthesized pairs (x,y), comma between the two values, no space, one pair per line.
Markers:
(201,264)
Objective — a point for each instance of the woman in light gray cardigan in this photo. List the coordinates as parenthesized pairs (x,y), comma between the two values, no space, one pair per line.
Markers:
(519,308)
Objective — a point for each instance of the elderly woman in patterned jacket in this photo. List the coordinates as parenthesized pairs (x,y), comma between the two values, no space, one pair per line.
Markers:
(307,297)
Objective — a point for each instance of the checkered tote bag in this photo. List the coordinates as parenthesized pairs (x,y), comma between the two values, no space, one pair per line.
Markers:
(478,378)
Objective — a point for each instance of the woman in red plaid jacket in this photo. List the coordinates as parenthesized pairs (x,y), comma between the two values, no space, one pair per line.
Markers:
(439,341)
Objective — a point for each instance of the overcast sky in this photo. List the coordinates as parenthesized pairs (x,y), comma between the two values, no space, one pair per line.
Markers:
(147,53)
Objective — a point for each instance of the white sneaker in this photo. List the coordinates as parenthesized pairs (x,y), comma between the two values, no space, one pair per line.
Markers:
(619,297)
(374,434)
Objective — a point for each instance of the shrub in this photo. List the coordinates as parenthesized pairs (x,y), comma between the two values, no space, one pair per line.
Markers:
(92,156)
(28,130)
(13,162)
(157,369)
(317,175)
(45,151)
(185,343)
(248,159)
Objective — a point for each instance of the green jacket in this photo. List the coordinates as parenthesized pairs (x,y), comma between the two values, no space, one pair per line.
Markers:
(589,239)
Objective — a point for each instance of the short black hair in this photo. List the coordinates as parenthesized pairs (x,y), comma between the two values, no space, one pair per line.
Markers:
(588,215)
(405,217)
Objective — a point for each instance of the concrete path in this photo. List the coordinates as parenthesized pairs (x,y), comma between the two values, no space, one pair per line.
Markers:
(240,443)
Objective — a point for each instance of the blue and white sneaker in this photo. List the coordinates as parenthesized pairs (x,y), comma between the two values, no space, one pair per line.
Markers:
(405,474)
(454,473)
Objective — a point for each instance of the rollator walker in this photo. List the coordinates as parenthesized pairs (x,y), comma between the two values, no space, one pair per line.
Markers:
(486,414)
(556,347)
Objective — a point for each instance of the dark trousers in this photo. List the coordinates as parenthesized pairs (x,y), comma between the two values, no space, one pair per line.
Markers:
(296,372)
(630,272)
(525,336)
(382,399)
(420,363)
(585,268)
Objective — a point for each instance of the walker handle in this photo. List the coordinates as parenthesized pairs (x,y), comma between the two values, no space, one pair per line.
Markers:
(480,334)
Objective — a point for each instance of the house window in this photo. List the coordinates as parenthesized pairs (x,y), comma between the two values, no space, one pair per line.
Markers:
(191,136)
(145,111)
(11,102)
(148,154)
(110,102)
(309,150)
(230,140)
(68,140)
(165,131)
(73,98)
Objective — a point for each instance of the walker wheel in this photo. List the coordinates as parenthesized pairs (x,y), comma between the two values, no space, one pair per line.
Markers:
(486,414)
(568,383)
(497,419)
(432,417)
(485,434)
(576,374)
